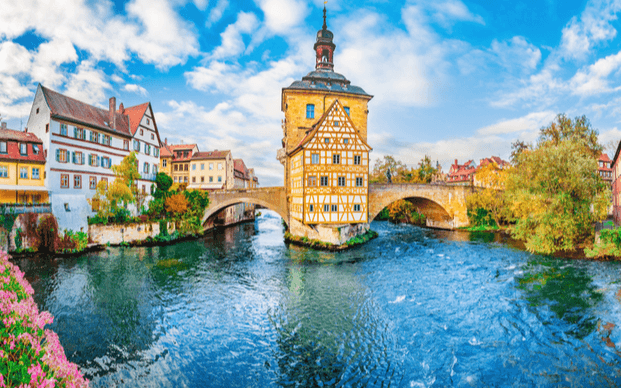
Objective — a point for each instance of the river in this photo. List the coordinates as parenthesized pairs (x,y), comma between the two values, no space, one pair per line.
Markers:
(413,308)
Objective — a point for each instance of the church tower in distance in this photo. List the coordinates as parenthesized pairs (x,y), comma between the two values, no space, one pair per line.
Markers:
(325,152)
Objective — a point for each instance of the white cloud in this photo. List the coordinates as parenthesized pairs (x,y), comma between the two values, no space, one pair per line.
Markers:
(449,11)
(594,26)
(516,53)
(232,42)
(282,15)
(133,88)
(216,13)
(530,122)
(88,84)
(593,79)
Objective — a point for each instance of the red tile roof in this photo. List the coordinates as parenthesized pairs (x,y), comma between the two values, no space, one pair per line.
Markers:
(495,159)
(13,138)
(461,172)
(135,115)
(211,155)
(70,109)
(165,151)
(604,158)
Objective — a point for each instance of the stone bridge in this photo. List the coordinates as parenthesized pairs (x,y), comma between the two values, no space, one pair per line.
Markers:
(443,205)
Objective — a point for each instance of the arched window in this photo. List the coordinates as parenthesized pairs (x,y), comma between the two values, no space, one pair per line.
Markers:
(310,111)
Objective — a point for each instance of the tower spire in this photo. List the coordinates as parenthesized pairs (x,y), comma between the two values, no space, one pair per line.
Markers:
(324,47)
(325,26)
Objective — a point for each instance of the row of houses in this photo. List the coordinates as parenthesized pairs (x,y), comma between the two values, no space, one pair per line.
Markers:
(69,146)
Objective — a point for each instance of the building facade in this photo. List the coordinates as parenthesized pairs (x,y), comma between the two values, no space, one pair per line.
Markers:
(604,167)
(461,174)
(22,168)
(325,153)
(83,143)
(212,170)
(180,162)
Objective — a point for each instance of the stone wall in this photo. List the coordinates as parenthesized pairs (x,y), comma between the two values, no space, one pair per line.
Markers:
(116,234)
(333,234)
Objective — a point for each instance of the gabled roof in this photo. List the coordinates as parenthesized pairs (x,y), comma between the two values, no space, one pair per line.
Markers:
(211,155)
(135,115)
(494,159)
(165,152)
(334,109)
(604,157)
(177,147)
(11,134)
(70,109)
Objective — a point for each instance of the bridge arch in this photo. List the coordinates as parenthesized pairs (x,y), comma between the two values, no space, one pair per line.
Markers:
(444,206)
(273,198)
(213,210)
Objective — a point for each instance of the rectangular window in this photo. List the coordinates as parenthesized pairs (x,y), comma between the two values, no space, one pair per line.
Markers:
(35,173)
(141,132)
(193,166)
(176,168)
(3,147)
(341,181)
(156,152)
(92,182)
(219,178)
(356,208)
(62,156)
(23,173)
(359,182)
(326,140)
(312,181)
(185,167)
(79,133)
(326,208)
(310,111)
(311,208)
(202,179)
(193,179)
(152,136)
(23,148)
(136,145)
(185,179)
(77,181)
(211,166)
(346,110)
(164,163)
(210,179)
(219,166)
(345,141)
(94,137)
(324,181)
(106,139)
(336,159)
(4,172)
(105,162)
(356,159)
(78,157)
(175,179)
(47,128)
(35,149)
(145,168)
(64,181)
(126,145)
(336,123)
(147,149)
(202,166)
(63,129)
(155,169)
(315,158)
(335,208)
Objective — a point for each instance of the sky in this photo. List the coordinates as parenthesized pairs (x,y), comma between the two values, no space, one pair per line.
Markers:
(451,79)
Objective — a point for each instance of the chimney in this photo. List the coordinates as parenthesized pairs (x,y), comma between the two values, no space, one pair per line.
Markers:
(166,141)
(3,125)
(26,130)
(121,109)
(456,162)
(112,113)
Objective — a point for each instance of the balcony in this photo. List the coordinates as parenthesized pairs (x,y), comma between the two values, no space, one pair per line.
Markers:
(21,208)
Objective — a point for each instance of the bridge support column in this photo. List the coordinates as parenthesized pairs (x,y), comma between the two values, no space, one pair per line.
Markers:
(333,234)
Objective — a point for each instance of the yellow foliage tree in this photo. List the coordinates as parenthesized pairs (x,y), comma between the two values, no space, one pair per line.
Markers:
(176,203)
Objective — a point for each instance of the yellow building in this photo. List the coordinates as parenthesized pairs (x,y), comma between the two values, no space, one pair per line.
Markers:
(179,162)
(325,154)
(22,167)
(166,158)
(211,170)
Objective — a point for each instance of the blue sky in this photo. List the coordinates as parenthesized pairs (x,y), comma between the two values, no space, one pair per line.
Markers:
(453,79)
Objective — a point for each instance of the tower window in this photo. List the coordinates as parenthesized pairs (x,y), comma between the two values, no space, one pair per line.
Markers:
(356,159)
(326,208)
(356,208)
(345,141)
(324,181)
(341,181)
(336,159)
(327,140)
(315,158)
(310,111)
(335,208)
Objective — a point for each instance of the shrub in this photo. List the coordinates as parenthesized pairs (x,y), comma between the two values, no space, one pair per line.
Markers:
(609,244)
(72,242)
(120,216)
(18,238)
(29,355)
(176,204)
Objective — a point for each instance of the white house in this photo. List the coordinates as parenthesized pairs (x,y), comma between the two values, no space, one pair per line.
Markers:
(83,142)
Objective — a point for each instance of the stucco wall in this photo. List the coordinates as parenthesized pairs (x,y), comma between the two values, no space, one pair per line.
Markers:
(116,234)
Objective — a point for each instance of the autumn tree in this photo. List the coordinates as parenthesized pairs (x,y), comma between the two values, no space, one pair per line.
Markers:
(127,172)
(555,192)
(378,174)
(176,204)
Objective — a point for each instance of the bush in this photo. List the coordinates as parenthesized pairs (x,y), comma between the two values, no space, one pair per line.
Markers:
(405,211)
(609,244)
(30,355)
(73,242)
(98,220)
(120,216)
(481,217)
(176,204)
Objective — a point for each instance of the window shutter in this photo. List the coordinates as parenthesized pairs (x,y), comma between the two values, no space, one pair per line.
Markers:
(58,155)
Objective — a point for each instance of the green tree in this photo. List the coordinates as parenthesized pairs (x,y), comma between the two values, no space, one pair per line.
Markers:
(554,192)
(163,183)
(378,174)
(127,172)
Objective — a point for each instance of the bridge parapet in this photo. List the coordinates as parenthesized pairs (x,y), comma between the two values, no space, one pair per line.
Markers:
(273,198)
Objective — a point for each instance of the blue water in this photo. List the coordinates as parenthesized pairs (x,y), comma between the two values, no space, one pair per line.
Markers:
(412,308)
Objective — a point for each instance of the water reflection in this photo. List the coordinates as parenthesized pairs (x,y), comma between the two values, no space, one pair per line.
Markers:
(564,289)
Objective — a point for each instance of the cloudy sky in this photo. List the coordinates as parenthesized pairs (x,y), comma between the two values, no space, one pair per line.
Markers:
(452,79)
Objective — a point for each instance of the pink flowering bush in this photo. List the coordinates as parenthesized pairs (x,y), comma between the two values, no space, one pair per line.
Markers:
(29,355)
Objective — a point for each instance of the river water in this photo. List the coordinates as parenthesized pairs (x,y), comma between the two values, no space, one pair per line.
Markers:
(412,308)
